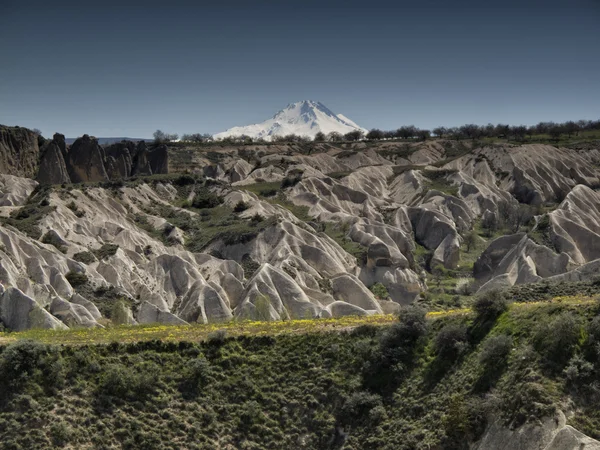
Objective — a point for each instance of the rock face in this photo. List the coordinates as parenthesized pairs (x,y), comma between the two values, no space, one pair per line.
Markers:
(19,152)
(53,169)
(575,225)
(20,312)
(15,190)
(551,434)
(342,221)
(85,161)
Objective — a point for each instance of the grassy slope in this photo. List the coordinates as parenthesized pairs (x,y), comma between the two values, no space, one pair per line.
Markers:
(290,385)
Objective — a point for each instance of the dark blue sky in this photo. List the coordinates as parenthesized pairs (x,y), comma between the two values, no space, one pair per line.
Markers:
(109,69)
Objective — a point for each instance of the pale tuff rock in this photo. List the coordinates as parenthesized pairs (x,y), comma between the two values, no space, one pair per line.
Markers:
(552,433)
(89,306)
(15,190)
(273,295)
(575,225)
(20,312)
(204,303)
(72,314)
(379,198)
(149,313)
(522,262)
(349,289)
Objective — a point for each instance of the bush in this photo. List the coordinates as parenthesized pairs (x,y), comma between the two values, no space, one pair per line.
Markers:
(52,238)
(380,291)
(451,341)
(76,278)
(196,375)
(84,257)
(358,406)
(490,305)
(206,199)
(106,251)
(127,383)
(579,370)
(398,343)
(495,351)
(28,361)
(217,338)
(256,219)
(240,207)
(291,180)
(556,340)
(184,180)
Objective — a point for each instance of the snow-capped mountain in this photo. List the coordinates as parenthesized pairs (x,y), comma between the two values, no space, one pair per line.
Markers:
(304,118)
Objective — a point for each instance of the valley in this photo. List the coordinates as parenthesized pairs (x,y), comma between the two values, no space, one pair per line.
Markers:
(153,282)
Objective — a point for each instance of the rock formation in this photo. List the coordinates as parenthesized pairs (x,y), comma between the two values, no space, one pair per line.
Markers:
(19,152)
(53,169)
(337,222)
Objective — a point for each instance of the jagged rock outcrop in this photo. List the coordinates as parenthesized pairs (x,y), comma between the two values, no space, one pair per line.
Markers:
(552,433)
(575,225)
(435,231)
(85,161)
(149,313)
(15,190)
(72,314)
(159,159)
(20,312)
(19,152)
(365,217)
(53,169)
(141,164)
(272,294)
(516,259)
(205,302)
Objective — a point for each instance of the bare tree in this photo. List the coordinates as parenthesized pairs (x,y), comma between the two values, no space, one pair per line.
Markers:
(514,214)
(423,134)
(319,137)
(162,138)
(334,136)
(471,239)
(355,135)
(374,134)
(440,131)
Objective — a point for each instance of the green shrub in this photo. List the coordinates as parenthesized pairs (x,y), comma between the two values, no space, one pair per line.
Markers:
(489,305)
(358,406)
(84,257)
(184,180)
(451,341)
(206,199)
(76,278)
(217,338)
(106,251)
(396,350)
(380,291)
(52,238)
(124,382)
(495,351)
(61,433)
(557,339)
(579,371)
(28,361)
(240,206)
(291,180)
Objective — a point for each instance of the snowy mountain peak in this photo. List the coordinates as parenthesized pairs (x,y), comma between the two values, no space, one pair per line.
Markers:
(305,118)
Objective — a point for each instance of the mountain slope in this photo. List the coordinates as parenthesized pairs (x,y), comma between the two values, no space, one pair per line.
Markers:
(305,118)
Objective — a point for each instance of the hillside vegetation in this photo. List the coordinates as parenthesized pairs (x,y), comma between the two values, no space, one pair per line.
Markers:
(416,383)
